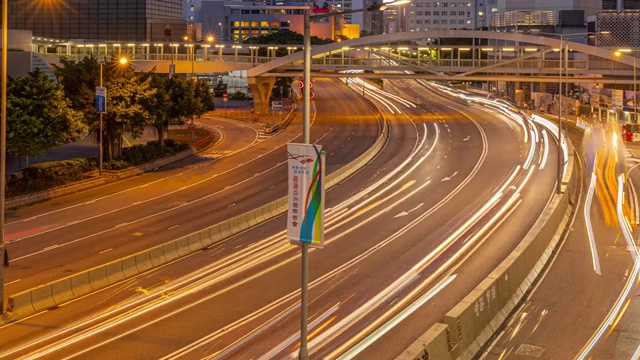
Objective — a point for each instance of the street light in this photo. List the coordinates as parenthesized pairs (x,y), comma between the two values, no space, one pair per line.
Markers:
(563,45)
(3,144)
(306,116)
(122,61)
(618,53)
(208,39)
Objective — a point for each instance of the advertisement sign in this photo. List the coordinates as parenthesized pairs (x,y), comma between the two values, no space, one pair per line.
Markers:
(617,99)
(305,218)
(101,99)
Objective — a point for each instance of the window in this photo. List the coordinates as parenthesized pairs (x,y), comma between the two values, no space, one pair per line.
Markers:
(419,13)
(461,21)
(436,21)
(427,22)
(428,13)
(444,21)
(444,5)
(436,13)
(444,13)
(419,21)
(461,13)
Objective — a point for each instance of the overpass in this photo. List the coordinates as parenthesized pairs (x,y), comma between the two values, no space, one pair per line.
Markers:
(492,56)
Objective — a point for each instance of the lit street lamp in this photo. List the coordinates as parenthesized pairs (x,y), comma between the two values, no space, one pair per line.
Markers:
(101,110)
(635,80)
(563,45)
(306,116)
(210,39)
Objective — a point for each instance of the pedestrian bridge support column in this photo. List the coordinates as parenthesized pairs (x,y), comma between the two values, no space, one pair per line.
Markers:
(261,87)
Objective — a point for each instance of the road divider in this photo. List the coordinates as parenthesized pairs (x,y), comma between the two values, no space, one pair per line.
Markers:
(51,295)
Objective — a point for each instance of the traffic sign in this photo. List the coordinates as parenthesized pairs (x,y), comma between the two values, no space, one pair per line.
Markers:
(276,105)
(225,97)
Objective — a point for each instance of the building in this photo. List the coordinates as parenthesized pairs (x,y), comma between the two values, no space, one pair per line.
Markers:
(117,20)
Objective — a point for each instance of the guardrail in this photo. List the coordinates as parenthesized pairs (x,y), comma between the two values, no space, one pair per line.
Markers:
(55,293)
(471,324)
(282,124)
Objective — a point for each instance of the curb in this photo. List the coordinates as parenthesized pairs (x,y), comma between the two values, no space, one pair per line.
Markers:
(52,295)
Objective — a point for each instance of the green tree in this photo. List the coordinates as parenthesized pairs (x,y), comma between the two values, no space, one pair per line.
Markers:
(39,117)
(126,111)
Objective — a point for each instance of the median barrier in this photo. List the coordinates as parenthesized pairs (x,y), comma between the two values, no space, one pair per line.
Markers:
(114,273)
(474,321)
(194,242)
(80,284)
(129,268)
(98,278)
(21,304)
(42,298)
(156,255)
(433,344)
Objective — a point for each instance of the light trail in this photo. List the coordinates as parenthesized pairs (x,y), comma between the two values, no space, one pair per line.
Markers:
(587,219)
(545,146)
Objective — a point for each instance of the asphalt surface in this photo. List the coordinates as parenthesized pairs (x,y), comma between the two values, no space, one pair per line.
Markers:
(571,302)
(238,299)
(57,238)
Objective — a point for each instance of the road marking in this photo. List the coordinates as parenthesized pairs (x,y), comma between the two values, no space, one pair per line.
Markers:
(73,222)
(120,225)
(173,227)
(104,251)
(12,282)
(271,187)
(51,247)
(447,178)
(405,213)
(234,204)
(467,138)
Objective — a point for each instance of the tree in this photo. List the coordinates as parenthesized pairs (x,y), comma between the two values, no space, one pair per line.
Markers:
(126,111)
(39,117)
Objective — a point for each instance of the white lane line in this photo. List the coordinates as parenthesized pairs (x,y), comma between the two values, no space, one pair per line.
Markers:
(120,225)
(173,227)
(50,247)
(12,282)
(104,251)
(234,204)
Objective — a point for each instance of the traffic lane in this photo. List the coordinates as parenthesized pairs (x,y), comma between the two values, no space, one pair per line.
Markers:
(403,135)
(622,342)
(110,197)
(571,300)
(202,174)
(120,235)
(287,272)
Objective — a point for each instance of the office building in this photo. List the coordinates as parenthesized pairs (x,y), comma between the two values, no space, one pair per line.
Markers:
(117,20)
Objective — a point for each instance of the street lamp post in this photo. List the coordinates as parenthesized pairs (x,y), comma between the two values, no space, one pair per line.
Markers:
(306,116)
(635,80)
(122,61)
(3,145)
(564,46)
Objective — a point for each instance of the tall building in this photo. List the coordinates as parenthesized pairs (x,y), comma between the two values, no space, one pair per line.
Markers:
(427,15)
(118,20)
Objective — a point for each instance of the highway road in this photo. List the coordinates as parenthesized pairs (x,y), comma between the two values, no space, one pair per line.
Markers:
(568,315)
(447,199)
(63,236)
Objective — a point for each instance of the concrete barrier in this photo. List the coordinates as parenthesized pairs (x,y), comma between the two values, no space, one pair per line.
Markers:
(22,304)
(474,320)
(432,345)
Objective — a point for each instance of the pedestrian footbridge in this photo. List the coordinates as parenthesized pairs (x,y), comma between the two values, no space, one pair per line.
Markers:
(488,57)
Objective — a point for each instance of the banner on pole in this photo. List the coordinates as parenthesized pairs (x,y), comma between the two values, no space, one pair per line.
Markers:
(101,99)
(305,218)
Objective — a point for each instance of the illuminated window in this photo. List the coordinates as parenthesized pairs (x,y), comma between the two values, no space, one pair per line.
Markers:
(264,23)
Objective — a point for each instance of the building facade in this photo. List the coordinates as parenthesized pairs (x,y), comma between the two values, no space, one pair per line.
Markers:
(117,20)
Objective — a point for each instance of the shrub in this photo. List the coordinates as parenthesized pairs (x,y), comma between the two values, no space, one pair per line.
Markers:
(238,95)
(55,173)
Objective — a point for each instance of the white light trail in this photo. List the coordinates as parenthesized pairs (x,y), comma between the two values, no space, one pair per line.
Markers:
(587,219)
(545,146)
